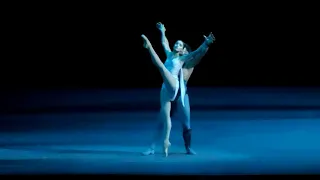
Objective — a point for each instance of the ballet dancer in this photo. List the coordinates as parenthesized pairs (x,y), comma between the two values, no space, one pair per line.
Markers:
(170,71)
(183,110)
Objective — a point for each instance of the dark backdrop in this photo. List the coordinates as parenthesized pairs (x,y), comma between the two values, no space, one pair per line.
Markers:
(99,45)
(87,52)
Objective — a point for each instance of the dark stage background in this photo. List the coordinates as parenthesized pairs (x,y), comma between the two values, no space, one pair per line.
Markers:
(79,93)
(99,46)
(71,56)
(94,49)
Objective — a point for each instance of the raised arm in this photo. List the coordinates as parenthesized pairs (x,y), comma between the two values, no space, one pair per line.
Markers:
(194,57)
(164,40)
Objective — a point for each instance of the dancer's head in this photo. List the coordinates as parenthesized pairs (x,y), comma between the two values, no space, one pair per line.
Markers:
(181,47)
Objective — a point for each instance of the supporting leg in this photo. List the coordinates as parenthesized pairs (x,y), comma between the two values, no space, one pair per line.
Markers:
(184,116)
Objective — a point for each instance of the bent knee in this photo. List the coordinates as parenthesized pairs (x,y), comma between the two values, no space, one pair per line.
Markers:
(186,126)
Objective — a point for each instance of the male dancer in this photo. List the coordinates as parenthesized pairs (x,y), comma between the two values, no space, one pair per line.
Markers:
(183,110)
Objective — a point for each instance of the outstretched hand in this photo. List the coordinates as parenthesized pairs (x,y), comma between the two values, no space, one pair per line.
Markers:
(209,39)
(161,27)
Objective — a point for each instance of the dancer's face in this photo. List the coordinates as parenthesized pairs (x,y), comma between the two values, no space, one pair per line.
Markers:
(178,46)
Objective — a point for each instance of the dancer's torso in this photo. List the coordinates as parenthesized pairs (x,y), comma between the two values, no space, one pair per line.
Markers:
(174,65)
(187,73)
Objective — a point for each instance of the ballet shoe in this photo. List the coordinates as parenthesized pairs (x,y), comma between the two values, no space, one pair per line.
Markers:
(191,151)
(187,141)
(148,152)
(166,146)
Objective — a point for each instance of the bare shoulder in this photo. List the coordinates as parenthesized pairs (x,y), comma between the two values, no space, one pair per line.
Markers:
(186,57)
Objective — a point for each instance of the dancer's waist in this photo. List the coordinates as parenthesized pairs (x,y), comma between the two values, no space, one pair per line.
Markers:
(175,76)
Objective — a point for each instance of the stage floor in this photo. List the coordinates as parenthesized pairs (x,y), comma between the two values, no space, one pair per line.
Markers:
(227,142)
